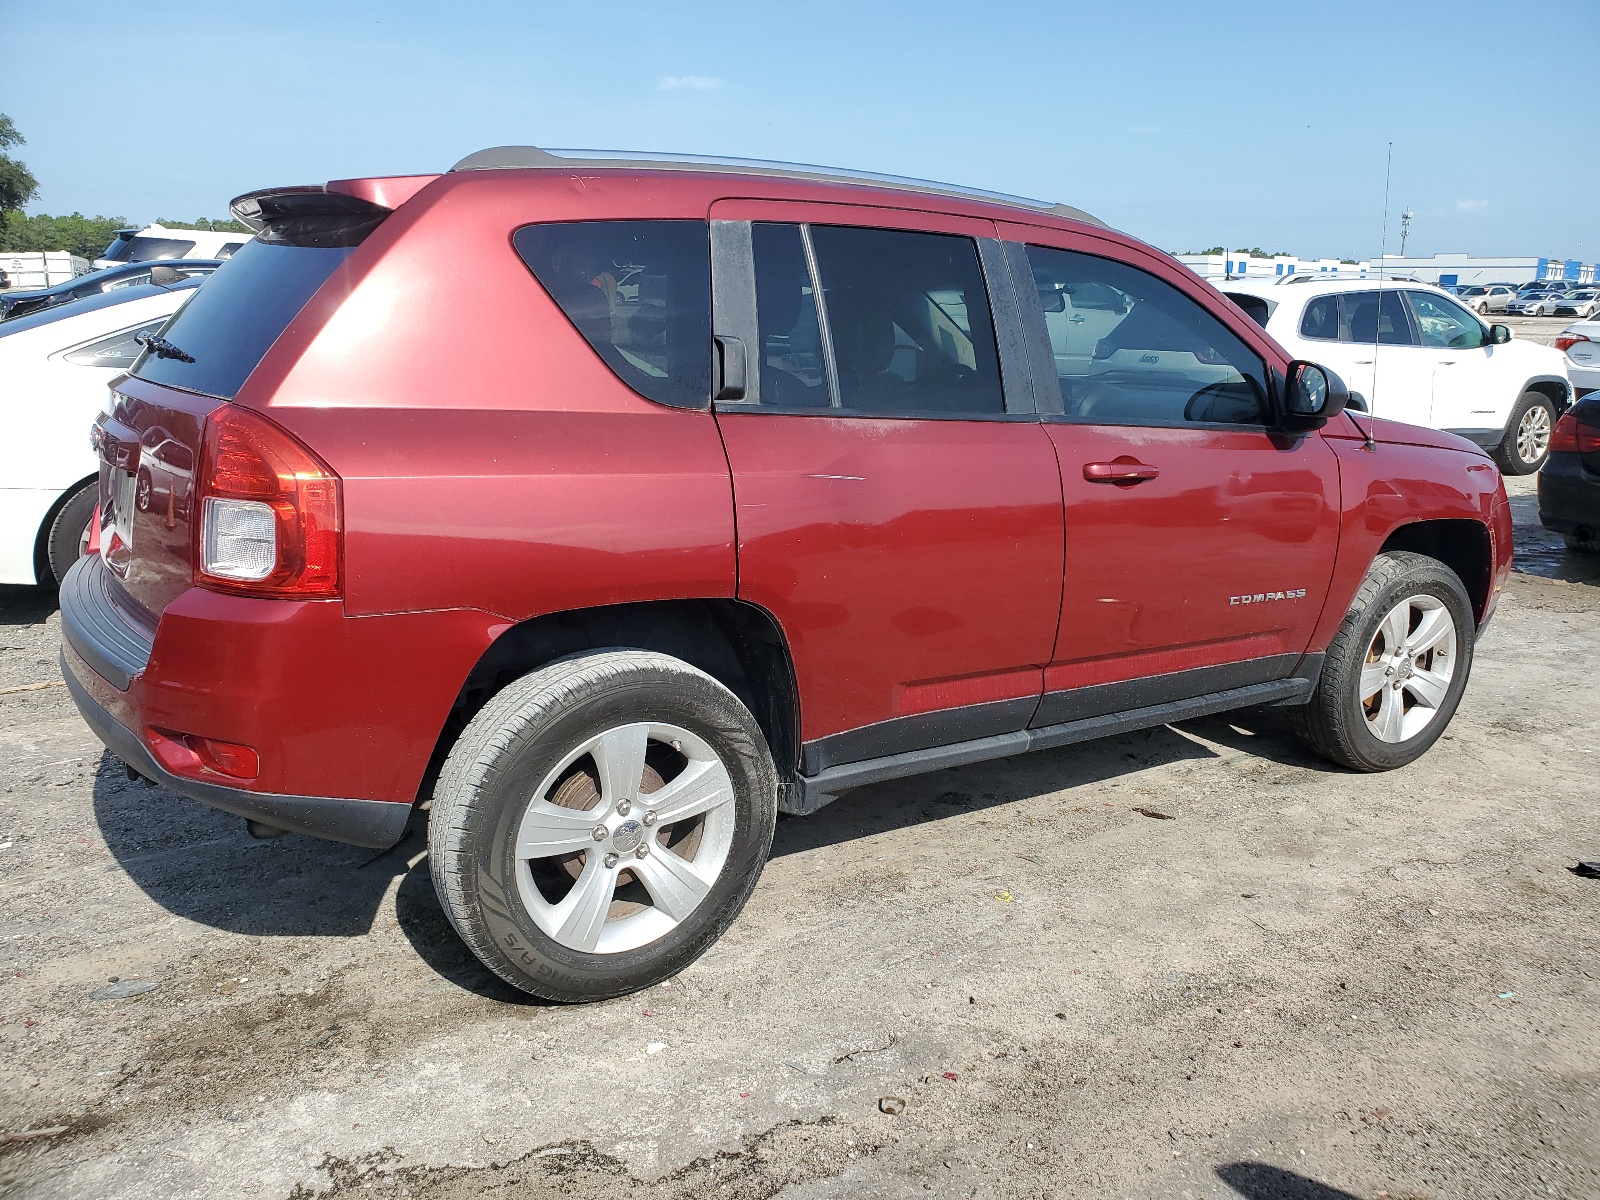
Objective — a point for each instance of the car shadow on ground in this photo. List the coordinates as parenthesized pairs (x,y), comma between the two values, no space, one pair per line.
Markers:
(26,605)
(200,864)
(1257,1181)
(922,799)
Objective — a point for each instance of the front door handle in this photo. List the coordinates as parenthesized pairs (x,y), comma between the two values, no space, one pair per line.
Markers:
(1125,471)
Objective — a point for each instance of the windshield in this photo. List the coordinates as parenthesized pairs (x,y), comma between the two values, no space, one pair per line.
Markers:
(232,321)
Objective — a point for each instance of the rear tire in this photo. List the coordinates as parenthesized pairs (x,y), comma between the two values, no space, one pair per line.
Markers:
(69,532)
(1580,545)
(1375,670)
(553,843)
(1526,442)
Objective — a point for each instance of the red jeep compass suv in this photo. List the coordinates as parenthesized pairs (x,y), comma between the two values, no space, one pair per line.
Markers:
(617,505)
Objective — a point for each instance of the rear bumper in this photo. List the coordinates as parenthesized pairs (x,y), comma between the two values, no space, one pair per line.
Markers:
(376,823)
(343,712)
(1569,496)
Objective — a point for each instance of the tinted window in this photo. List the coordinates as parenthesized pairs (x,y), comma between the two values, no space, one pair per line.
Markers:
(1258,309)
(147,249)
(1444,323)
(1152,357)
(230,322)
(908,319)
(791,358)
(1321,319)
(639,292)
(1364,318)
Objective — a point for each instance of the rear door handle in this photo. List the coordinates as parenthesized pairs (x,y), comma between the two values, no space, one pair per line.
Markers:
(1120,470)
(730,369)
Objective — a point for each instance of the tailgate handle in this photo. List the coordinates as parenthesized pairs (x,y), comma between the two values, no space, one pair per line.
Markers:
(1125,471)
(730,369)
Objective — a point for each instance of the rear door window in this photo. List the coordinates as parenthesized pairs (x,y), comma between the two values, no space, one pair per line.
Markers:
(1140,352)
(908,320)
(792,362)
(640,294)
(1374,317)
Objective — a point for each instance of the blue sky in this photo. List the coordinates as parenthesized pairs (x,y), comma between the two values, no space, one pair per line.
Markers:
(1186,123)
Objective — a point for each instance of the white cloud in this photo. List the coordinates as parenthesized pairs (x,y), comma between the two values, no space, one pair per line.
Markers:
(688,83)
(1471,205)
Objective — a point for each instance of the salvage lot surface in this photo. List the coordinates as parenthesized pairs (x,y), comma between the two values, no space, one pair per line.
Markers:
(1389,984)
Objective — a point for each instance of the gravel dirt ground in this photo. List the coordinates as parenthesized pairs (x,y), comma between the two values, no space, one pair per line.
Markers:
(1191,962)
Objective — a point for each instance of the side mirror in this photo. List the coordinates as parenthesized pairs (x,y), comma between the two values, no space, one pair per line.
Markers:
(165,276)
(1499,334)
(1052,300)
(1313,396)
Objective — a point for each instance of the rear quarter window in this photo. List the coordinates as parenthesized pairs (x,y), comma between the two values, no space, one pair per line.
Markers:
(640,294)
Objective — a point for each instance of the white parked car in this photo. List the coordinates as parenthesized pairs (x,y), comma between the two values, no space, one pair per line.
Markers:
(1417,355)
(54,367)
(1580,302)
(1484,299)
(1581,342)
(154,243)
(1536,304)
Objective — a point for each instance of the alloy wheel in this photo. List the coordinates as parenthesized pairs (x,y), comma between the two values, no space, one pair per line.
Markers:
(1409,665)
(1533,434)
(625,837)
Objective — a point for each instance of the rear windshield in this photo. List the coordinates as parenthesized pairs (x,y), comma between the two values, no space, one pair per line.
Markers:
(148,249)
(230,322)
(639,292)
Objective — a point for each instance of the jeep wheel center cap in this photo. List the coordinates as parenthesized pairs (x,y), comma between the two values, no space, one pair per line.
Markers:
(627,836)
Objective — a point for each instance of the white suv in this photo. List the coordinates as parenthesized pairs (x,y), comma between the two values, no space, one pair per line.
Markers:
(155,243)
(1415,354)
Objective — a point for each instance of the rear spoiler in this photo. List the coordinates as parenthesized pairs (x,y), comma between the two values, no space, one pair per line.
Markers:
(342,204)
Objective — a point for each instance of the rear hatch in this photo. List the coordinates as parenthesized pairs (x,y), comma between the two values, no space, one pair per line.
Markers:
(150,440)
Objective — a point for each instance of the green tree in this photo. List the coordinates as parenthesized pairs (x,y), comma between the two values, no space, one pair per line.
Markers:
(213,224)
(84,236)
(17,184)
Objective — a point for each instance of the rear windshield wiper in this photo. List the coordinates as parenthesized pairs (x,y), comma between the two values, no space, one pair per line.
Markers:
(161,348)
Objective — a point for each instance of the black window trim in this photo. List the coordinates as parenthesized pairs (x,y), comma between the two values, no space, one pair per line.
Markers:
(733,315)
(1041,354)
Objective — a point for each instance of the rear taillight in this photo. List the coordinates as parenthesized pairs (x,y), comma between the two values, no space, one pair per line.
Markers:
(269,511)
(1572,436)
(1567,340)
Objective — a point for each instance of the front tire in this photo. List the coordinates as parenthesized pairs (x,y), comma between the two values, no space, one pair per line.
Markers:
(1581,545)
(1395,671)
(69,532)
(600,823)
(1526,442)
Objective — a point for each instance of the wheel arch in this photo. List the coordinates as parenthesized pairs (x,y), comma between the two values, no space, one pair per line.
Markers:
(41,537)
(1462,544)
(739,644)
(1555,387)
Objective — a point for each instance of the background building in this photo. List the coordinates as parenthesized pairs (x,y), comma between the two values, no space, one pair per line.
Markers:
(1445,269)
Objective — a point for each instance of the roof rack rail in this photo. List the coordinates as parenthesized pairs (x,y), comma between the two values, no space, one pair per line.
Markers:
(509,157)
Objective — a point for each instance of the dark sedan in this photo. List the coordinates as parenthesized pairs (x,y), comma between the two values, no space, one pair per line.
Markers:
(16,304)
(1569,483)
